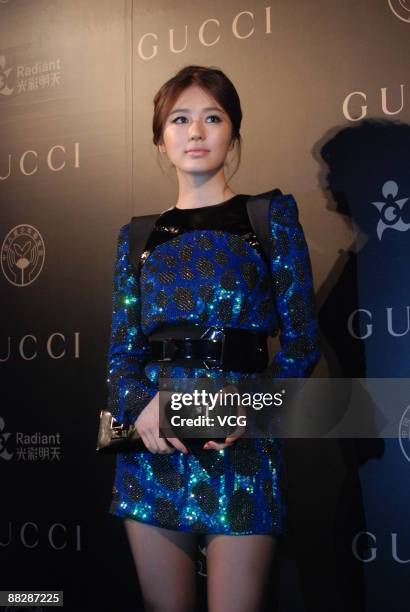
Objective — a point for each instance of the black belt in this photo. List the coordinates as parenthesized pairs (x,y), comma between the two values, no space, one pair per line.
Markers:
(227,348)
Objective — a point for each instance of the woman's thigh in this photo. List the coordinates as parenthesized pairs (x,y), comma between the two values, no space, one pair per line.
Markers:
(166,565)
(238,568)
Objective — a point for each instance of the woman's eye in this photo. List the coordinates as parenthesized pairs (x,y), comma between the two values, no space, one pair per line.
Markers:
(215,117)
(209,116)
(176,119)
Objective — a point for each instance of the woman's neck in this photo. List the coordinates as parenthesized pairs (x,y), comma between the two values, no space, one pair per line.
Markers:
(198,202)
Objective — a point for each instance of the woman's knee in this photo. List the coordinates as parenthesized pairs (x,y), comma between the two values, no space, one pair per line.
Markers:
(165,562)
(238,570)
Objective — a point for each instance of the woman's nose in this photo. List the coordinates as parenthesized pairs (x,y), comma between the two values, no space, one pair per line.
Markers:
(196,130)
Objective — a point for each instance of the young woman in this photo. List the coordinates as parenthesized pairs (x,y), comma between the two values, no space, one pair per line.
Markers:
(204,271)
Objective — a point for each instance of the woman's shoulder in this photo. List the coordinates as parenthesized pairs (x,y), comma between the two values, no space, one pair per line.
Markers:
(123,231)
(283,207)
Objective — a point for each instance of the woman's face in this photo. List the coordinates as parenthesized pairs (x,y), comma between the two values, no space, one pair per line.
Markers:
(202,123)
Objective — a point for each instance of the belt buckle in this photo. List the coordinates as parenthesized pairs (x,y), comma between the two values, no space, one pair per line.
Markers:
(168,342)
(217,335)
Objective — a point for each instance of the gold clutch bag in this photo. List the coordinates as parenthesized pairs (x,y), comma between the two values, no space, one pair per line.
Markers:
(115,437)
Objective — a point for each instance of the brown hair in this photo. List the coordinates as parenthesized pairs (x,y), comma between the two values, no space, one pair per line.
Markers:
(214,82)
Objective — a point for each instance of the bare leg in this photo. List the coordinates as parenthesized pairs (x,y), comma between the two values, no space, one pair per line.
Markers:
(238,568)
(165,563)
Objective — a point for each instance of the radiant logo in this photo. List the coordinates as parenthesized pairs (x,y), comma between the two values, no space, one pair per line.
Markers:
(404,433)
(5,90)
(390,210)
(22,255)
(401,8)
(24,70)
(4,436)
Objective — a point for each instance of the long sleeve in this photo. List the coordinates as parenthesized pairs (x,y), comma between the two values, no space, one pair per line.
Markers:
(295,299)
(129,389)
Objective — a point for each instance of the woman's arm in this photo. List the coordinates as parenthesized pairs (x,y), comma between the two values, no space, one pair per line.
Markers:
(295,298)
(129,389)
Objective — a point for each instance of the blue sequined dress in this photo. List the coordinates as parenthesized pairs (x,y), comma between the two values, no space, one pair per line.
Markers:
(205,266)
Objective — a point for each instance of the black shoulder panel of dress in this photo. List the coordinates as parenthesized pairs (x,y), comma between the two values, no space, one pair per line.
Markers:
(230,216)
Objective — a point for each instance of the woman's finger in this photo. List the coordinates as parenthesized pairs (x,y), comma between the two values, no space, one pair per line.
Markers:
(211,445)
(178,444)
(147,443)
(164,447)
(237,433)
(229,440)
(152,441)
(160,443)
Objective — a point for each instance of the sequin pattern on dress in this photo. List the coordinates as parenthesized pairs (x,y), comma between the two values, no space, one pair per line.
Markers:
(206,267)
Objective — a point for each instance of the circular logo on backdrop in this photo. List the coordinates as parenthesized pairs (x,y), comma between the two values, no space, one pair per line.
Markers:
(404,433)
(401,8)
(22,255)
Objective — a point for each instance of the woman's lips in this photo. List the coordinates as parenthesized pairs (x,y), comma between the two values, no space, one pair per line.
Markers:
(198,153)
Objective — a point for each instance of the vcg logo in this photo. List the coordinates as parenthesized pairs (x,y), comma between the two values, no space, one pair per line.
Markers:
(401,8)
(22,255)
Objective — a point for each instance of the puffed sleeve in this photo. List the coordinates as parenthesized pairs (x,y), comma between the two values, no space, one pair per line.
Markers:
(129,389)
(295,298)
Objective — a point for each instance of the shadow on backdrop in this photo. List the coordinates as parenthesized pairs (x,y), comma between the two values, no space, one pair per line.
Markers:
(365,179)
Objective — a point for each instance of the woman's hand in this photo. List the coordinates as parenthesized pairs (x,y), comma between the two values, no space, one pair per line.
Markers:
(147,425)
(237,433)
